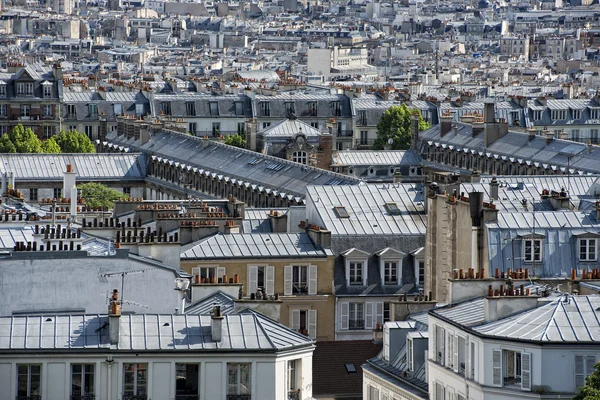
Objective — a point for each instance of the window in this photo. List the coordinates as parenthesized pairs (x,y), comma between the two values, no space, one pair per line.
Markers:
(440,391)
(70,110)
(213,107)
(72,128)
(2,89)
(409,355)
(2,110)
(29,380)
(576,114)
(187,380)
(386,312)
(192,128)
(341,212)
(48,131)
(265,108)
(373,393)
(205,274)
(559,114)
(314,125)
(47,110)
(241,128)
(594,136)
(262,277)
(239,108)
(300,157)
(421,272)
(312,108)
(300,279)
(135,381)
(238,381)
(93,110)
(165,107)
(293,381)
(594,113)
(57,193)
(392,208)
(82,381)
(25,110)
(532,250)
(511,368)
(362,117)
(390,273)
(289,108)
(139,109)
(584,366)
(537,115)
(127,190)
(47,91)
(118,109)
(364,137)
(89,131)
(440,344)
(216,128)
(355,274)
(190,108)
(575,135)
(356,316)
(336,108)
(265,125)
(33,194)
(587,250)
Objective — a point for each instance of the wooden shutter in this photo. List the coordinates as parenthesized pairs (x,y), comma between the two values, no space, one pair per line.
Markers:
(590,363)
(369,315)
(442,350)
(450,352)
(252,279)
(497,367)
(220,273)
(312,279)
(344,315)
(312,324)
(455,354)
(270,284)
(451,394)
(526,371)
(295,324)
(579,371)
(378,314)
(432,336)
(287,278)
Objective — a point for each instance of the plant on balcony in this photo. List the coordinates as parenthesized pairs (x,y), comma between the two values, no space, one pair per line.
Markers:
(395,124)
(235,140)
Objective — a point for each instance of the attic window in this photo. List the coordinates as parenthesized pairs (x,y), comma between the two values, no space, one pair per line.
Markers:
(392,208)
(341,212)
(350,368)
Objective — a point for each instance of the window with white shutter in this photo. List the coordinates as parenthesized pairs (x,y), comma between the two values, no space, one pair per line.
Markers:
(409,354)
(497,367)
(526,371)
(455,354)
(221,272)
(312,324)
(378,314)
(584,366)
(287,278)
(295,318)
(433,337)
(344,315)
(252,279)
(270,286)
(450,352)
(312,280)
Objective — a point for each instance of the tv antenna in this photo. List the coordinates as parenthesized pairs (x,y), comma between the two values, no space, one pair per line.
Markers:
(122,274)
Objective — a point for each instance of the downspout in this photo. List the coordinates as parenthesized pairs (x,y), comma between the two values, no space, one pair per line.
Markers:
(109,362)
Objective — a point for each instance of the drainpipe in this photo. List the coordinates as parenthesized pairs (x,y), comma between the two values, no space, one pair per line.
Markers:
(109,362)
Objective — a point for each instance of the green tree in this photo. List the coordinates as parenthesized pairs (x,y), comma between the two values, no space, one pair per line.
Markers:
(23,140)
(99,195)
(235,140)
(6,146)
(591,389)
(74,142)
(395,124)
(50,146)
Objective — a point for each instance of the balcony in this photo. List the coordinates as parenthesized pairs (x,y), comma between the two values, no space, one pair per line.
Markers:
(36,397)
(239,397)
(83,397)
(137,397)
(345,133)
(294,395)
(187,397)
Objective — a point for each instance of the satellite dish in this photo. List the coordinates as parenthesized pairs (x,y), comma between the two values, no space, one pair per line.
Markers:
(390,141)
(182,283)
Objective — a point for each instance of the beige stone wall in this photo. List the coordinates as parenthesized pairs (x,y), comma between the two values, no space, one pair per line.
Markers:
(323,302)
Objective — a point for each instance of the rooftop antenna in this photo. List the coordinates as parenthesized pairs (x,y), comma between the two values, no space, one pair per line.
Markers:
(122,274)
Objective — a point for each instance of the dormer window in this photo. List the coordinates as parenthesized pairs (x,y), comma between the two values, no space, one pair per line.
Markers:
(2,88)
(356,267)
(214,108)
(576,114)
(390,266)
(355,273)
(47,89)
(93,110)
(559,115)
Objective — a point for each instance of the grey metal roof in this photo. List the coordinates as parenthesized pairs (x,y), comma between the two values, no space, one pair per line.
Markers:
(260,245)
(147,332)
(566,319)
(9,236)
(103,166)
(561,219)
(289,128)
(204,306)
(236,163)
(467,313)
(366,207)
(375,158)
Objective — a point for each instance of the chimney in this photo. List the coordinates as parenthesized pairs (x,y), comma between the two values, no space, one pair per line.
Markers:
(57,71)
(278,221)
(496,308)
(414,129)
(476,207)
(549,136)
(114,313)
(531,132)
(216,324)
(493,129)
(445,124)
(68,181)
(144,133)
(494,188)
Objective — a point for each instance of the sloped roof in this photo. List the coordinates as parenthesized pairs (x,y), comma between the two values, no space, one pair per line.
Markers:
(205,306)
(147,332)
(289,128)
(376,158)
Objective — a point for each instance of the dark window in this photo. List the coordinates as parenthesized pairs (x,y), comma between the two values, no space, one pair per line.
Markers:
(33,194)
(82,381)
(214,108)
(190,108)
(57,193)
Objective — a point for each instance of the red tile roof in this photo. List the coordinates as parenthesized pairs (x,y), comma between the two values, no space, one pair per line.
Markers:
(329,371)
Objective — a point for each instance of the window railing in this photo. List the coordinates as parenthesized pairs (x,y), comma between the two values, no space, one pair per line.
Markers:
(293,394)
(136,397)
(239,397)
(83,397)
(36,397)
(187,397)
(300,288)
(355,324)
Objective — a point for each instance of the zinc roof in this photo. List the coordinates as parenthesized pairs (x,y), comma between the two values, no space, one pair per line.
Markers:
(290,128)
(375,158)
(259,245)
(150,332)
(87,166)
(367,211)
(205,306)
(468,313)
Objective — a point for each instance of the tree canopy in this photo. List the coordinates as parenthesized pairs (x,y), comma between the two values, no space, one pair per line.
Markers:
(235,140)
(591,389)
(74,142)
(99,195)
(24,140)
(395,124)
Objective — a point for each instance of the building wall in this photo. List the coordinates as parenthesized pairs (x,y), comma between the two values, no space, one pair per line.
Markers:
(268,373)
(323,302)
(385,388)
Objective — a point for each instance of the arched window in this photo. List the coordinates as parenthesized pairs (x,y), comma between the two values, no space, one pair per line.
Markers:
(300,157)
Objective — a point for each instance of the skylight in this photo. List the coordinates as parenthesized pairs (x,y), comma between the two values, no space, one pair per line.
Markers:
(341,212)
(350,368)
(392,208)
